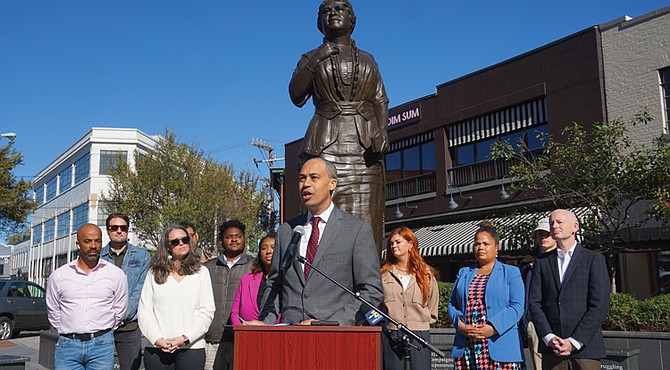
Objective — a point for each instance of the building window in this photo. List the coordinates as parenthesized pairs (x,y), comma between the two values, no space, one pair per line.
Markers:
(65,179)
(480,151)
(49,230)
(79,216)
(81,169)
(39,195)
(52,186)
(109,160)
(63,224)
(665,90)
(411,161)
(102,216)
(37,234)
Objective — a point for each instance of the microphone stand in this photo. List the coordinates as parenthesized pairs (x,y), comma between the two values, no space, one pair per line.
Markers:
(408,334)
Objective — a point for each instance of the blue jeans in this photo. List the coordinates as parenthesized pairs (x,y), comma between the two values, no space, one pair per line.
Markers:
(94,354)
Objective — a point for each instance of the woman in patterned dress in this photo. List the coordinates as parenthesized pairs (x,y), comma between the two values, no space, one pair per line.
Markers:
(485,306)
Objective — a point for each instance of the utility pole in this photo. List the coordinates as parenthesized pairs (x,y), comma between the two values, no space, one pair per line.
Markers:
(270,161)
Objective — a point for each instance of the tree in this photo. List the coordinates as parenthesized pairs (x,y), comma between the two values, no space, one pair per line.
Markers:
(599,168)
(175,182)
(15,202)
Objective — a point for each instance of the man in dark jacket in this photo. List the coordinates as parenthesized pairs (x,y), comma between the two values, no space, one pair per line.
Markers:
(225,272)
(569,299)
(545,243)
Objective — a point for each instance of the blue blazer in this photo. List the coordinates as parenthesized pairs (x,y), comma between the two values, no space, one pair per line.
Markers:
(504,299)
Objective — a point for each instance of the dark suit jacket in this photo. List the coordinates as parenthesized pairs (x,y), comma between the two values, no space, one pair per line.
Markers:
(347,253)
(575,308)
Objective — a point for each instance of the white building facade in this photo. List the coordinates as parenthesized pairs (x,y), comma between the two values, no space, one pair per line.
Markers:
(68,193)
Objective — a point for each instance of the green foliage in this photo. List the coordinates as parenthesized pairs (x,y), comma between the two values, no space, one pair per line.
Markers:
(443,320)
(654,314)
(175,182)
(15,200)
(628,314)
(21,233)
(597,167)
(622,314)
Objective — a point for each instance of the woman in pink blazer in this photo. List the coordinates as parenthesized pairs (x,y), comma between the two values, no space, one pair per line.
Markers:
(250,291)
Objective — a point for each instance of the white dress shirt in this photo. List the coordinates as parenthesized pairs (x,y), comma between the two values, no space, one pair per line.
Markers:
(308,228)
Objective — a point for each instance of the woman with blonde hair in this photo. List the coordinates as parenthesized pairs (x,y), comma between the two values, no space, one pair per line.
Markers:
(411,297)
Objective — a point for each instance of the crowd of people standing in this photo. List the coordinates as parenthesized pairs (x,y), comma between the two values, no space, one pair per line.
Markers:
(186,305)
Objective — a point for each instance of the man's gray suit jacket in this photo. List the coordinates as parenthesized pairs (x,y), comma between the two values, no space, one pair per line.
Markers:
(347,253)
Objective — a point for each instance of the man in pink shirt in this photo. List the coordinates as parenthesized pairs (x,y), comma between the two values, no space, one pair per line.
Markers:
(86,300)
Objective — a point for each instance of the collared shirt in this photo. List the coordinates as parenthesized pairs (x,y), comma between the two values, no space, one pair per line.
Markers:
(231,263)
(308,227)
(564,259)
(81,303)
(118,257)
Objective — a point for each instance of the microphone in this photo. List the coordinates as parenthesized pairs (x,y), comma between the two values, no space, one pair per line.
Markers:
(292,249)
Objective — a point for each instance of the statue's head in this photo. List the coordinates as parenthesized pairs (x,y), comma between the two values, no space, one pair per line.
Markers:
(338,8)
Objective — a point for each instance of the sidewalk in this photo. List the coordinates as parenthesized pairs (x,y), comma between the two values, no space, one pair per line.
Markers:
(26,345)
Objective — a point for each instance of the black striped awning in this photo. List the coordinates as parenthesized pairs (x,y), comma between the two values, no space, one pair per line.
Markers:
(507,120)
(457,238)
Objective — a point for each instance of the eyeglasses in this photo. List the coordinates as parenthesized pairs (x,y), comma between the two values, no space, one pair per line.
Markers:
(175,242)
(123,228)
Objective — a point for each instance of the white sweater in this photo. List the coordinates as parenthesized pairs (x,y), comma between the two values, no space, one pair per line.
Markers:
(176,308)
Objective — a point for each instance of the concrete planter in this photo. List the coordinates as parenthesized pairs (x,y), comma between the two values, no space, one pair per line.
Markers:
(653,349)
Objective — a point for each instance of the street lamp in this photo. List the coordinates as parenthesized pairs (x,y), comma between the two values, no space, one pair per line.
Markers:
(9,135)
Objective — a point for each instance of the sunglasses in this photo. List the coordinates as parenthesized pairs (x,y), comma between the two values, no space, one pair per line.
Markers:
(123,228)
(175,242)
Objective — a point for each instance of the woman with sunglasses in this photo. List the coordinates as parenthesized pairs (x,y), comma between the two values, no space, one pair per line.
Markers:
(176,305)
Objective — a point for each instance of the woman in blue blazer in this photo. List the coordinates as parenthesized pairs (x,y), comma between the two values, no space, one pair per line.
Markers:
(485,306)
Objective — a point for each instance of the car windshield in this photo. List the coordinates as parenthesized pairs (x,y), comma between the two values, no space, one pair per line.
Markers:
(2,284)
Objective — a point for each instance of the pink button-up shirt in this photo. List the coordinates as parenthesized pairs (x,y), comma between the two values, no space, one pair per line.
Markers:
(81,303)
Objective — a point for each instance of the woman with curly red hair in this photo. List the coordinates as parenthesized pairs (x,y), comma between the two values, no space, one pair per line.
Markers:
(411,297)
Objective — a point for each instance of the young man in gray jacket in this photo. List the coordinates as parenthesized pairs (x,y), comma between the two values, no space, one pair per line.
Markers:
(226,272)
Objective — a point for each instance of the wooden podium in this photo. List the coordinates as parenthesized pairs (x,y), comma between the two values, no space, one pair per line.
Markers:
(308,347)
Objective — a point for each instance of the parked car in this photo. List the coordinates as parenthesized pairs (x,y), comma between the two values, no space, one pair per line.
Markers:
(22,307)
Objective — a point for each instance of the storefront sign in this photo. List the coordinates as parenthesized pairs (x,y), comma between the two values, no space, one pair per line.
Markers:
(404,115)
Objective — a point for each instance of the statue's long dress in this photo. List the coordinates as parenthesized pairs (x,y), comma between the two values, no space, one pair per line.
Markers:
(346,91)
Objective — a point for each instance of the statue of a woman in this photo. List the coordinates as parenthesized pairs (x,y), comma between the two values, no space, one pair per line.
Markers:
(351,114)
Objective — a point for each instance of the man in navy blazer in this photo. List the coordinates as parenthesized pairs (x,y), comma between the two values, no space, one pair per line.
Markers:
(346,251)
(569,299)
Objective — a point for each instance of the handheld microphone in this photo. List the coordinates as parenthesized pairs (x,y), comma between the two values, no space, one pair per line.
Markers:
(292,248)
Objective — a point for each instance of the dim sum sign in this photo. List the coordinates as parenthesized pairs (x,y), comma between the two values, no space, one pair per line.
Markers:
(404,115)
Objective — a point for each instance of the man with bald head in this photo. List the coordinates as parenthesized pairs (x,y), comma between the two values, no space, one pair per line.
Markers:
(569,299)
(86,300)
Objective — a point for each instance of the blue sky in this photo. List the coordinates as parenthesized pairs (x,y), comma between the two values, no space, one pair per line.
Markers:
(216,72)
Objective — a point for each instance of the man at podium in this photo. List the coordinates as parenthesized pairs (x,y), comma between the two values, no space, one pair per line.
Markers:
(336,243)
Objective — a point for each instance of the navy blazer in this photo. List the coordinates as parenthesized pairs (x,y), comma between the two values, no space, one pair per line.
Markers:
(504,299)
(575,308)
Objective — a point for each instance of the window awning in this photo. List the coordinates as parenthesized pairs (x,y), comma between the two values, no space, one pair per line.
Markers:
(457,238)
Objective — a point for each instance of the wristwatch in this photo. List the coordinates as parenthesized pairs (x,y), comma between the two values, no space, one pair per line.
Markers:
(186,340)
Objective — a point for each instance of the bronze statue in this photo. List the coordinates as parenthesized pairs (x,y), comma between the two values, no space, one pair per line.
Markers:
(351,114)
